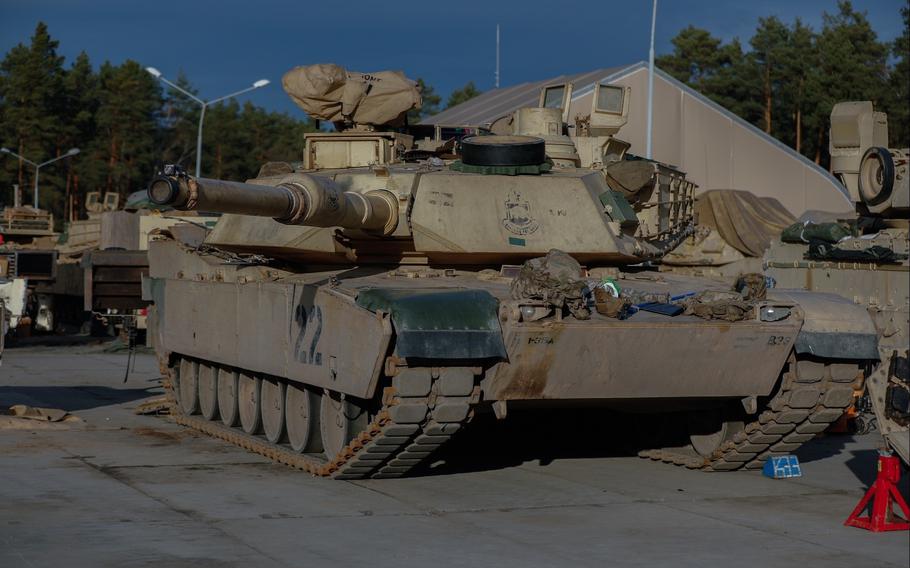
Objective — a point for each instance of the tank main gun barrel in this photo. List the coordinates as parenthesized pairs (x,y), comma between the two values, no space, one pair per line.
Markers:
(300,199)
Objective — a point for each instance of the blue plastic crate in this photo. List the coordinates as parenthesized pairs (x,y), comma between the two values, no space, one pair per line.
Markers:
(782,467)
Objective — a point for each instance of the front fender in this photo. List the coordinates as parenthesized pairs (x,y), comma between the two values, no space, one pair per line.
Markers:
(834,327)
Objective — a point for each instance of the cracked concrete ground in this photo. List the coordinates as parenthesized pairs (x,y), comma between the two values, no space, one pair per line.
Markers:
(127,490)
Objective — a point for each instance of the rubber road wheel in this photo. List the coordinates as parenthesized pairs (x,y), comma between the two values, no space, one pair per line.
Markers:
(188,387)
(272,403)
(227,398)
(339,421)
(248,392)
(208,391)
(302,419)
(876,176)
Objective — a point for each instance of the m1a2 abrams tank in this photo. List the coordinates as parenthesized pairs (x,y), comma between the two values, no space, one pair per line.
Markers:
(864,258)
(348,316)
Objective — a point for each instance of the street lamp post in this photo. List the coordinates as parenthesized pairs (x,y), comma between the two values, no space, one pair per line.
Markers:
(71,152)
(651,80)
(204,104)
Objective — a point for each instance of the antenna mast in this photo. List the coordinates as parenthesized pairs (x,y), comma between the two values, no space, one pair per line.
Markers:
(496,76)
(651,80)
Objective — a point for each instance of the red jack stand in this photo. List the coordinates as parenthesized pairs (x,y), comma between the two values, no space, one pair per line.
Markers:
(883,495)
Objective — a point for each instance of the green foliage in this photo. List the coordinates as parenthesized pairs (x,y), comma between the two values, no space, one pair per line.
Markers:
(125,125)
(898,92)
(31,91)
(466,93)
(429,103)
(789,80)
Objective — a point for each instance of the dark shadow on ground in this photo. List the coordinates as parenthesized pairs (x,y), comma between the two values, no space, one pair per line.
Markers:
(862,463)
(55,341)
(824,446)
(72,398)
(543,436)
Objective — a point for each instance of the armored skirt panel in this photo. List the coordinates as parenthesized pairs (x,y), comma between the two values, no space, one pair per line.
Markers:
(334,331)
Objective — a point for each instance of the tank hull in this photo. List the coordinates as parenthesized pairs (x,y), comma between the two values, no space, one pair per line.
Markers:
(392,340)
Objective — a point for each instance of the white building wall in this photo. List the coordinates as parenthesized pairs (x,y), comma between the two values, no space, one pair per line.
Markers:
(716,150)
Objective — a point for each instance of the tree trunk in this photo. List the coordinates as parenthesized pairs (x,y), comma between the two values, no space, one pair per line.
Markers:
(74,208)
(218,162)
(67,209)
(818,147)
(799,116)
(111,164)
(21,168)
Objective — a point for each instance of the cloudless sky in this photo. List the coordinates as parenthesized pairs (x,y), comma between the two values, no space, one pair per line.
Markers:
(225,45)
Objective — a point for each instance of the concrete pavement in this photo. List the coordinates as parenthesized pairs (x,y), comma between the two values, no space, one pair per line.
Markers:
(127,490)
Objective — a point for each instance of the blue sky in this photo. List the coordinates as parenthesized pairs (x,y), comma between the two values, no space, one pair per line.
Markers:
(225,45)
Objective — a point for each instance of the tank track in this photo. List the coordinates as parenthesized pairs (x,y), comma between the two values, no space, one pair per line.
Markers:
(812,395)
(422,410)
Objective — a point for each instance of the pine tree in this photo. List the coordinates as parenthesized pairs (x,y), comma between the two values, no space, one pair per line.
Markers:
(695,59)
(81,101)
(224,144)
(799,86)
(31,91)
(789,81)
(769,45)
(429,103)
(899,88)
(129,99)
(466,93)
(179,124)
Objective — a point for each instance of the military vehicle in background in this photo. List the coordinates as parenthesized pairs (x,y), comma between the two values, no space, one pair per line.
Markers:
(58,300)
(350,314)
(734,230)
(112,271)
(864,258)
(22,265)
(92,271)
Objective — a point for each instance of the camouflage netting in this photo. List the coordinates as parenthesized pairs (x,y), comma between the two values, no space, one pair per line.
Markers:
(329,92)
(735,305)
(713,304)
(554,279)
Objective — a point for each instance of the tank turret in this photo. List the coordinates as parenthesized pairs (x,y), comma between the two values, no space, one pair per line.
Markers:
(876,176)
(358,196)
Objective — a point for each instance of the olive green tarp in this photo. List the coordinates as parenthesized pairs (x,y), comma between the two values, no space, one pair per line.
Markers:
(809,232)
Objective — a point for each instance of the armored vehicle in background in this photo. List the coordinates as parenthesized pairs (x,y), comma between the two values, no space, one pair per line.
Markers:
(864,258)
(22,265)
(349,315)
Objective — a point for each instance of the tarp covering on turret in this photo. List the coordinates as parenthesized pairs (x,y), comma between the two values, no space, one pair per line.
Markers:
(329,92)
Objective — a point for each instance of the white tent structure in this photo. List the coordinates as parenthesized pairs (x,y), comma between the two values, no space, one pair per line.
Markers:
(717,149)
